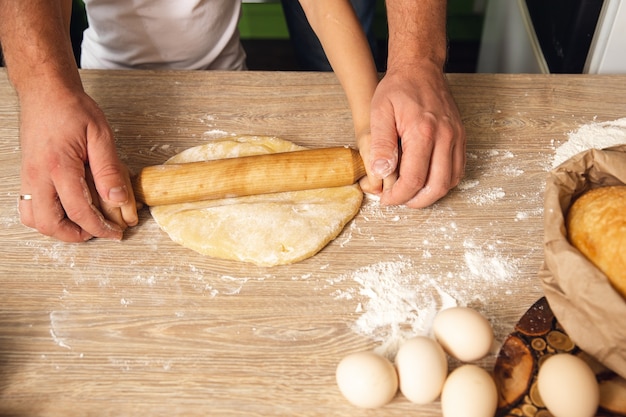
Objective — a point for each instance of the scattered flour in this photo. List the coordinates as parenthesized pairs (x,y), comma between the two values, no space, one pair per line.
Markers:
(372,209)
(468,184)
(162,277)
(597,135)
(208,119)
(492,268)
(488,196)
(488,164)
(397,305)
(53,332)
(162,147)
(525,215)
(396,302)
(214,134)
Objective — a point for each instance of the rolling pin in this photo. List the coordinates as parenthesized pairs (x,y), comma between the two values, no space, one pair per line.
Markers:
(250,175)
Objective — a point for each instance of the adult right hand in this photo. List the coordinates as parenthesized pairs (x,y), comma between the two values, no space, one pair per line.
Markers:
(414,105)
(77,186)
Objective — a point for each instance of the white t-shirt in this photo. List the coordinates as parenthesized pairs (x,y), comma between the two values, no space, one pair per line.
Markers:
(162,34)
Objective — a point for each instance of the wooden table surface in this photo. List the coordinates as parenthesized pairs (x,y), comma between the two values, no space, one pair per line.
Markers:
(147,326)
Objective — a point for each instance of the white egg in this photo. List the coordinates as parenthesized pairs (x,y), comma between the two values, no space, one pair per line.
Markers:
(469,391)
(422,369)
(568,386)
(463,333)
(367,380)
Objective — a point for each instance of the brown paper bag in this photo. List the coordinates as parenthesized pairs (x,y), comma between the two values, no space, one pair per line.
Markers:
(592,313)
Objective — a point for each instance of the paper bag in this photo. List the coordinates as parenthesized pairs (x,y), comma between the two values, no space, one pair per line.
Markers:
(592,313)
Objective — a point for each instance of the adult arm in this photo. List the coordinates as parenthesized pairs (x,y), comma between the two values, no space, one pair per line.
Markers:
(413,105)
(70,167)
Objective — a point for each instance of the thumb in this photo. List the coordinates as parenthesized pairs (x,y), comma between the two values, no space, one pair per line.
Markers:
(383,149)
(111,180)
(109,174)
(114,187)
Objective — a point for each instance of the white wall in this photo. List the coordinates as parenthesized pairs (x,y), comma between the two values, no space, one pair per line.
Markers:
(508,43)
(607,54)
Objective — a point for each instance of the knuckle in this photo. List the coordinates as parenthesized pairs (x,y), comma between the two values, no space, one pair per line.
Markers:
(428,128)
(447,132)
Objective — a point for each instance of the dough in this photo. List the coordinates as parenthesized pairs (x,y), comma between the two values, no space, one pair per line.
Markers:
(596,226)
(267,230)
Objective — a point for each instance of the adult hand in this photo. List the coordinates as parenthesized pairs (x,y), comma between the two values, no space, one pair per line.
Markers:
(417,149)
(78,186)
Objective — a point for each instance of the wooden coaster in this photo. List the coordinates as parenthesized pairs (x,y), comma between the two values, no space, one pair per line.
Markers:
(538,335)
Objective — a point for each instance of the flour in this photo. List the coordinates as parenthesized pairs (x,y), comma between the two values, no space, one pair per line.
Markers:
(372,209)
(397,306)
(399,299)
(465,185)
(53,332)
(209,120)
(158,277)
(489,268)
(483,165)
(487,196)
(525,215)
(591,136)
(161,147)
(215,134)
(346,235)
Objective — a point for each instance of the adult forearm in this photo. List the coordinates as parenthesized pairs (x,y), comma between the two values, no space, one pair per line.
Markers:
(36,45)
(67,147)
(417,32)
(413,103)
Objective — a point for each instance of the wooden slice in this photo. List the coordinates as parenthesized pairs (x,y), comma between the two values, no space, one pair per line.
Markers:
(538,335)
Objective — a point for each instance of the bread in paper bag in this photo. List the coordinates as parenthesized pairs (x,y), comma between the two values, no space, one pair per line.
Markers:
(581,296)
(596,226)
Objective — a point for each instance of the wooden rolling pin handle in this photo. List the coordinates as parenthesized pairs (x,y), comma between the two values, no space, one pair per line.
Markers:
(250,175)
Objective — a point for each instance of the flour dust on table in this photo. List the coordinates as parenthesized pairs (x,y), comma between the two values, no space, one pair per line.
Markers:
(598,135)
(266,230)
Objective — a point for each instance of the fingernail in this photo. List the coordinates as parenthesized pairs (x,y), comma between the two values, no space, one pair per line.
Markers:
(382,168)
(118,195)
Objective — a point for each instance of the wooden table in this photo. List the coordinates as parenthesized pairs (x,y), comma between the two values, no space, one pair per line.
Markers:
(147,326)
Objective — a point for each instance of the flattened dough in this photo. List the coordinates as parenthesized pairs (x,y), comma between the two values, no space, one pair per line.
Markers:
(267,230)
